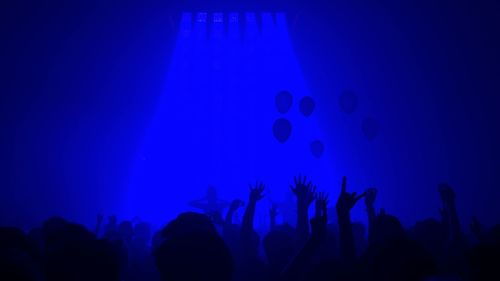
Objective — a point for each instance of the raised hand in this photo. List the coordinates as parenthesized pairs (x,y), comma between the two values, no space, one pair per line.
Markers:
(344,205)
(321,204)
(447,194)
(371,195)
(257,192)
(99,218)
(347,200)
(449,209)
(320,220)
(235,204)
(112,220)
(304,190)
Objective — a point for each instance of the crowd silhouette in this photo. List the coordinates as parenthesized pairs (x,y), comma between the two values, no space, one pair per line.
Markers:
(211,246)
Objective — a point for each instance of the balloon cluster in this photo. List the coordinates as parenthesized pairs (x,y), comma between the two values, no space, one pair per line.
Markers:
(282,127)
(348,102)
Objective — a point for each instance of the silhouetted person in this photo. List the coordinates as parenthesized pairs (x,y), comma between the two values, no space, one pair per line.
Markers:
(210,204)
(19,258)
(192,250)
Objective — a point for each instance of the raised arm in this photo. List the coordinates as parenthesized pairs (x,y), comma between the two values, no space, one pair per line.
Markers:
(235,205)
(273,213)
(344,205)
(304,190)
(256,193)
(299,266)
(371,195)
(450,211)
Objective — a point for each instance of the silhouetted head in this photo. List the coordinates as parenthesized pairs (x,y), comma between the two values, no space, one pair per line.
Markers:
(430,233)
(126,230)
(89,259)
(53,230)
(484,260)
(192,250)
(400,259)
(142,234)
(56,231)
(188,222)
(19,259)
(387,227)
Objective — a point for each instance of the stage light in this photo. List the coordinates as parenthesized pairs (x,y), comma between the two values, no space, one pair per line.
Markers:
(201,17)
(233,17)
(233,29)
(218,17)
(251,28)
(218,26)
(186,23)
(250,18)
(214,123)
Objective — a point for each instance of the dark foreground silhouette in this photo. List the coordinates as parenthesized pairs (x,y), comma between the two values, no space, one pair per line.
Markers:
(328,246)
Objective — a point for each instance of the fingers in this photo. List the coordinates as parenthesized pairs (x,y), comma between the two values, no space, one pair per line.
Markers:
(318,196)
(261,186)
(356,199)
(322,198)
(313,190)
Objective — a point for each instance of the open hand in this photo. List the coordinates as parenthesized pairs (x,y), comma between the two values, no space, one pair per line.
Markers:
(371,195)
(447,194)
(257,192)
(304,190)
(347,200)
(100,218)
(321,204)
(320,220)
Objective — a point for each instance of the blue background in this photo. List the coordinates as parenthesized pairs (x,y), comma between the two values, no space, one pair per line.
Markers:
(86,107)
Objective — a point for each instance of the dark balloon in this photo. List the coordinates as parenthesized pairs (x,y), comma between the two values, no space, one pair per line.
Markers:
(370,128)
(283,101)
(307,106)
(317,148)
(282,129)
(348,102)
